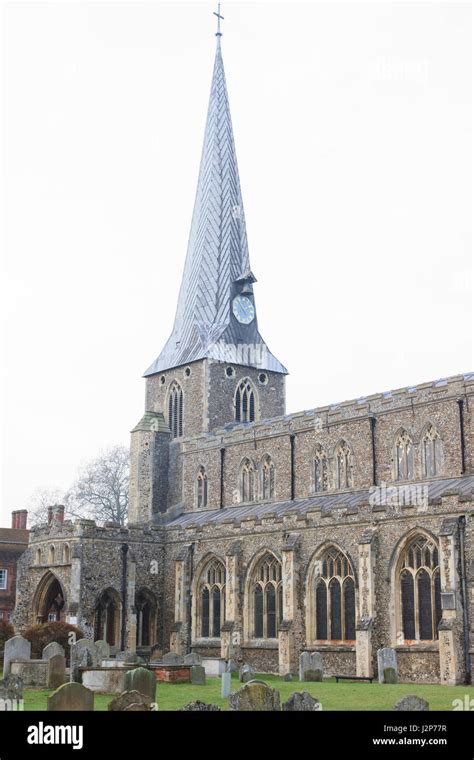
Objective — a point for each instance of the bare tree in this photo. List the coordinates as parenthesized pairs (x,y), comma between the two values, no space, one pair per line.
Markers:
(100,492)
(38,504)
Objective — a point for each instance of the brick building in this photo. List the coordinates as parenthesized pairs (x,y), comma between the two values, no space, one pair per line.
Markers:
(13,542)
(254,534)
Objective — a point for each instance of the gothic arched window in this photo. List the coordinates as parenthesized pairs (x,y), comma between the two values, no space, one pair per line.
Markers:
(245,402)
(343,459)
(107,617)
(66,554)
(201,488)
(403,456)
(211,600)
(268,478)
(175,410)
(247,481)
(146,607)
(334,604)
(51,555)
(431,452)
(320,464)
(267,592)
(419,589)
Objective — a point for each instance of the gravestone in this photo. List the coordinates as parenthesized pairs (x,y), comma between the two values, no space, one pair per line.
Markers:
(16,648)
(156,653)
(171,658)
(311,666)
(14,685)
(71,697)
(56,671)
(102,649)
(141,680)
(51,650)
(127,656)
(84,654)
(301,701)
(192,659)
(198,675)
(411,703)
(287,677)
(246,673)
(198,706)
(128,698)
(136,707)
(226,684)
(255,696)
(231,666)
(387,665)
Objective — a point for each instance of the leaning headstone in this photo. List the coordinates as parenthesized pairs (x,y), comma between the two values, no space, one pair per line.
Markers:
(301,701)
(192,659)
(171,658)
(199,707)
(16,648)
(255,696)
(198,675)
(226,684)
(387,665)
(71,696)
(246,673)
(127,698)
(56,671)
(142,680)
(311,666)
(51,650)
(411,703)
(14,685)
(102,649)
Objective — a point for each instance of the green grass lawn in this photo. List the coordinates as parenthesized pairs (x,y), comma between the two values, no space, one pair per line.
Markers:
(333,696)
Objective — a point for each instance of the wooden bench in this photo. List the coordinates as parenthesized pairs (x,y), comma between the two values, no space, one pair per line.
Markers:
(354,678)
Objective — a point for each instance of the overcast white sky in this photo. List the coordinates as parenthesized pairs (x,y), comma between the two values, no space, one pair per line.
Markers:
(353,134)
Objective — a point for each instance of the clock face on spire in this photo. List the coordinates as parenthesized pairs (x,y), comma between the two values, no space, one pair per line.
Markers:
(243,310)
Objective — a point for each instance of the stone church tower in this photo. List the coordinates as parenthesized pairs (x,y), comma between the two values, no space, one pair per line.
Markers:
(254,534)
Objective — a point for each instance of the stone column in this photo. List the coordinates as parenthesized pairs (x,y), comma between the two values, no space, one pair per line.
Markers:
(179,630)
(231,632)
(130,612)
(287,658)
(74,612)
(364,658)
(451,652)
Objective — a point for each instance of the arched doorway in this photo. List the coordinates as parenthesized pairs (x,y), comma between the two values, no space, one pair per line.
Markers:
(49,600)
(107,616)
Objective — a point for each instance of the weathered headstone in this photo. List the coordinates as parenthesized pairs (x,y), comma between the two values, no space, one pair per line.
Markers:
(142,680)
(127,656)
(301,701)
(226,684)
(311,666)
(52,649)
(287,677)
(16,648)
(198,675)
(192,659)
(14,685)
(246,673)
(255,696)
(387,665)
(102,649)
(156,653)
(56,671)
(412,703)
(171,658)
(71,697)
(198,706)
(85,653)
(127,698)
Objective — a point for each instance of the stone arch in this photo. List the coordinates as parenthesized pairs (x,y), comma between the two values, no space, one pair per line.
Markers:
(403,455)
(320,469)
(246,401)
(174,406)
(108,616)
(146,606)
(431,451)
(247,483)
(49,599)
(208,597)
(67,554)
(343,465)
(267,477)
(52,558)
(249,601)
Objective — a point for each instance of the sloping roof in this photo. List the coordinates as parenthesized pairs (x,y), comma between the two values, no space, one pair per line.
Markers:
(13,539)
(326,502)
(217,253)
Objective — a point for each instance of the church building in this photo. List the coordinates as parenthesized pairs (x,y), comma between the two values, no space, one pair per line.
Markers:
(255,535)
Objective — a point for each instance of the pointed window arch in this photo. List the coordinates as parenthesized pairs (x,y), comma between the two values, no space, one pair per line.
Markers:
(245,402)
(403,456)
(419,590)
(267,602)
(107,617)
(146,607)
(175,410)
(247,481)
(201,488)
(211,596)
(343,465)
(333,598)
(66,554)
(51,555)
(268,478)
(431,452)
(320,469)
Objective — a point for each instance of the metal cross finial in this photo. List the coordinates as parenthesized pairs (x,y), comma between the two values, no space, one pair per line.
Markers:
(219,17)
